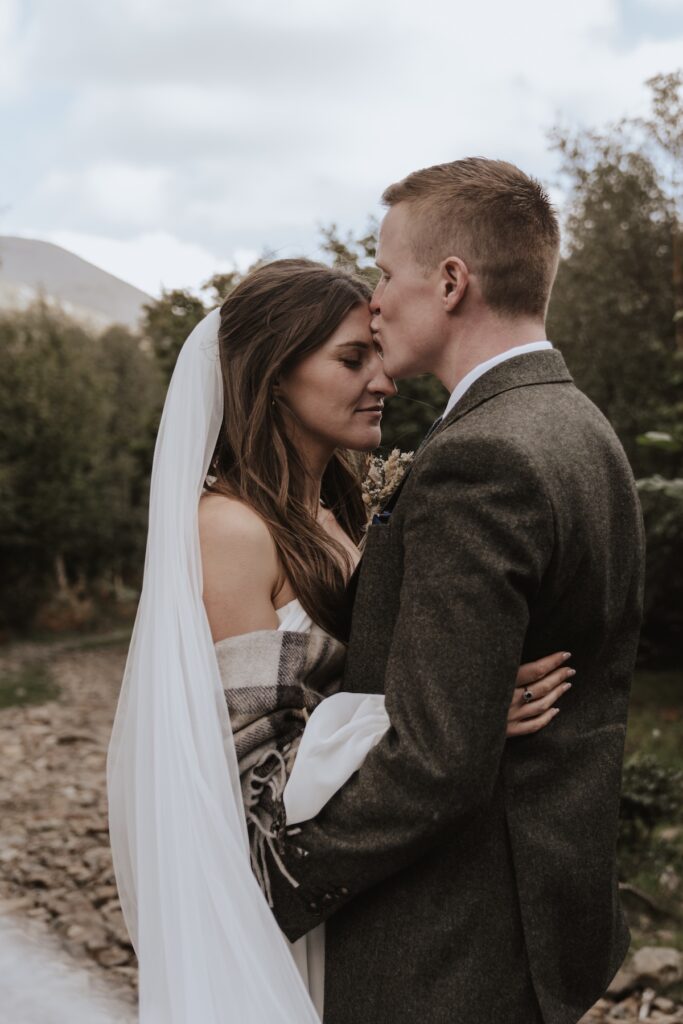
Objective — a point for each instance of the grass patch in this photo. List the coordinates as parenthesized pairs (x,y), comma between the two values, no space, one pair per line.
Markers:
(77,639)
(655,724)
(31,684)
(85,642)
(648,853)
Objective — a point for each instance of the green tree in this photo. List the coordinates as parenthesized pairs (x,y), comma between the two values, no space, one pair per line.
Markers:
(52,445)
(662,502)
(357,255)
(220,285)
(665,129)
(611,305)
(76,439)
(616,312)
(166,323)
(133,384)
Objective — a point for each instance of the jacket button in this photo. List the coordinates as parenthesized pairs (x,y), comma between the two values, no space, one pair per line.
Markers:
(313,905)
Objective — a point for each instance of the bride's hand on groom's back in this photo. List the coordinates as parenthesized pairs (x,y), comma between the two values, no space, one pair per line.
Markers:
(540,684)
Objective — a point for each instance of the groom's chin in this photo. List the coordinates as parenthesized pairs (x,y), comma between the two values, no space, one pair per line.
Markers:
(398,369)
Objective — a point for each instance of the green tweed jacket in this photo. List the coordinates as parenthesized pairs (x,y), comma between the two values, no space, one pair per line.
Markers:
(468,878)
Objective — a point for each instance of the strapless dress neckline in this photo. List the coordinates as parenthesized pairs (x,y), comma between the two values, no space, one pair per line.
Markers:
(293,618)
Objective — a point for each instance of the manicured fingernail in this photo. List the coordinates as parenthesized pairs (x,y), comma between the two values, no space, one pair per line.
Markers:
(566,656)
(571,672)
(556,711)
(567,686)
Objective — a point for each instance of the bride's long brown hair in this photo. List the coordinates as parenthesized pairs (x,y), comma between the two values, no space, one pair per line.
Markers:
(276,316)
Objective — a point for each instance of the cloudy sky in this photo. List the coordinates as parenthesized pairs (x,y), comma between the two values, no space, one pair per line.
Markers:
(167,139)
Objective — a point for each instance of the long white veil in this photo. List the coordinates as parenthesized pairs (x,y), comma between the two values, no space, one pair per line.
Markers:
(209,949)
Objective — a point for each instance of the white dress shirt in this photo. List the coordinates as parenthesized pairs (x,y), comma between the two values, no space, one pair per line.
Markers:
(469,379)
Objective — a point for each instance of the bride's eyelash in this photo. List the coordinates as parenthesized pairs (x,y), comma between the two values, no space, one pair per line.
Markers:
(353,364)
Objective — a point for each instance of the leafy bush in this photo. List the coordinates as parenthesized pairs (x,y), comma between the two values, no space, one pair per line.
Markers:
(652,795)
(31,684)
(77,416)
(662,502)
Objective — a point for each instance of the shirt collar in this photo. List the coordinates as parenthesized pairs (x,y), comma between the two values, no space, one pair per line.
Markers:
(469,379)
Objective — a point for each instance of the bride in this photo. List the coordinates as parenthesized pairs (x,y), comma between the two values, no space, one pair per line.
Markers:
(255,526)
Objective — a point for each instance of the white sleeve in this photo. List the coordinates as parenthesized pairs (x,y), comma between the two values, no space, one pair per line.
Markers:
(335,742)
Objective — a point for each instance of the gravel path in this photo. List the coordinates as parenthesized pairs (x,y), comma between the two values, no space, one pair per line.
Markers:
(55,862)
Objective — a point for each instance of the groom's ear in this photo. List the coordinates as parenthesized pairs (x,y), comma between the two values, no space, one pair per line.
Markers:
(453,282)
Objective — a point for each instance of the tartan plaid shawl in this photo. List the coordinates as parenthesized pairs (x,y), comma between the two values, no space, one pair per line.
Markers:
(273,680)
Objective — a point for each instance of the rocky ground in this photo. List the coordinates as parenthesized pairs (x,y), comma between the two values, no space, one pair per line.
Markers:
(55,865)
(646,1006)
(637,992)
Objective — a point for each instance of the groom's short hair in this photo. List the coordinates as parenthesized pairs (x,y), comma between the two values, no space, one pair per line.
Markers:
(497,219)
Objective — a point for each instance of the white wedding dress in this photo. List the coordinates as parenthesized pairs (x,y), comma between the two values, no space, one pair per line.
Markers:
(337,737)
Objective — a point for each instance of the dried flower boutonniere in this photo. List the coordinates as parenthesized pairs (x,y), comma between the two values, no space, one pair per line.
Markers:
(383,477)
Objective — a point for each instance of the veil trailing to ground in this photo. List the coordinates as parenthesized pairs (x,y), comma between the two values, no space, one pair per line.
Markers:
(209,948)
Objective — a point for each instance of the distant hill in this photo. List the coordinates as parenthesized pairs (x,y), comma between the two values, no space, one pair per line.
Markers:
(29,268)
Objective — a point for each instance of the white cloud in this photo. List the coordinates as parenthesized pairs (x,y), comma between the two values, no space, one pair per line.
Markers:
(9,61)
(205,43)
(227,129)
(108,192)
(666,6)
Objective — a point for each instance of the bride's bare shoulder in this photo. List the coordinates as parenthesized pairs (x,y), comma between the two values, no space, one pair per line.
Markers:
(223,518)
(239,564)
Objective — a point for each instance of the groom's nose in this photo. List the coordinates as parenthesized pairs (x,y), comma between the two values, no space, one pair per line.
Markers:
(374,300)
(386,386)
(382,383)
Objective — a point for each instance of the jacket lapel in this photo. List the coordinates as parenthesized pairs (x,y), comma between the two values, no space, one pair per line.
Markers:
(544,367)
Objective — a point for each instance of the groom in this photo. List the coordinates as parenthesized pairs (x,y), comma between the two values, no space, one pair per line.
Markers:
(468,879)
